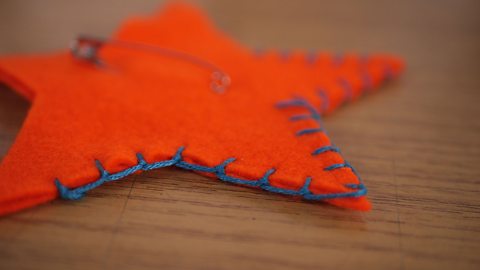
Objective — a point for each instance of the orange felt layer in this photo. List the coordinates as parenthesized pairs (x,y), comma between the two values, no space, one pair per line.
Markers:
(153,104)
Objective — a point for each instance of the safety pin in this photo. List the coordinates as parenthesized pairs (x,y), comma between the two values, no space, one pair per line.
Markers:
(86,48)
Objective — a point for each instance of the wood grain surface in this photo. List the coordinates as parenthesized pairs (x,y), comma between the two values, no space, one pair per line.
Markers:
(416,144)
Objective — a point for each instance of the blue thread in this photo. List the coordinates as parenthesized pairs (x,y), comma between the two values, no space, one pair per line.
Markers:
(193,167)
(338,60)
(367,83)
(300,102)
(361,190)
(285,55)
(296,102)
(353,194)
(66,193)
(324,97)
(388,71)
(347,88)
(325,149)
(78,193)
(338,166)
(100,168)
(300,117)
(219,170)
(309,131)
(355,186)
(259,52)
(342,165)
(311,57)
(305,190)
(141,160)
(364,59)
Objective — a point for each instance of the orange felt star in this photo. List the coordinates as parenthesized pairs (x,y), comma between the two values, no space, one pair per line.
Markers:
(139,110)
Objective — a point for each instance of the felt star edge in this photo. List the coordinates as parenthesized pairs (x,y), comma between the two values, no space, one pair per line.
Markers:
(207,171)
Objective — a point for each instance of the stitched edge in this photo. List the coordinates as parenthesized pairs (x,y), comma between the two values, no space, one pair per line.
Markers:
(315,115)
(219,170)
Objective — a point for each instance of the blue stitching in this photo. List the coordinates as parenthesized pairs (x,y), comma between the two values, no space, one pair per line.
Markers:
(355,186)
(285,55)
(367,83)
(300,117)
(347,87)
(325,101)
(324,149)
(219,170)
(309,131)
(259,52)
(338,166)
(300,102)
(353,194)
(388,73)
(364,59)
(360,188)
(338,60)
(291,103)
(314,114)
(311,57)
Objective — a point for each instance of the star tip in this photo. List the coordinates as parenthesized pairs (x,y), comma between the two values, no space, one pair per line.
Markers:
(354,203)
(364,205)
(397,65)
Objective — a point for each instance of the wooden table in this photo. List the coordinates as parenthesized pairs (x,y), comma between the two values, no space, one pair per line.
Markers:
(416,144)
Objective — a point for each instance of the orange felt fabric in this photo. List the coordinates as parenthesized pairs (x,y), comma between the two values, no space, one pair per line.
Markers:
(153,104)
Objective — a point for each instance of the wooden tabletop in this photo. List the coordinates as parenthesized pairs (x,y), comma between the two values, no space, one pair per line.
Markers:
(416,145)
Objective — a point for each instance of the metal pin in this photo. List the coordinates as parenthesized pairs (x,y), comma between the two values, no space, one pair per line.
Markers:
(87,48)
